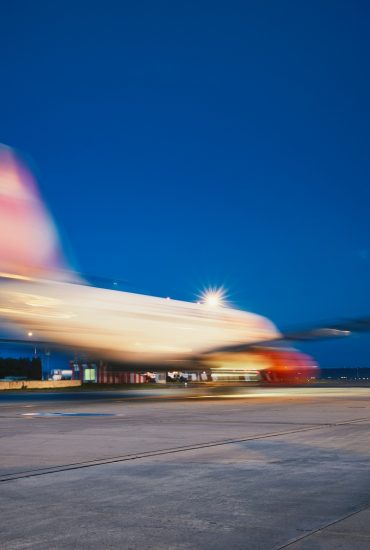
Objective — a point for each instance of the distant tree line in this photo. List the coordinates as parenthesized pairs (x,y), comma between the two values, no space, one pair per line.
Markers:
(22,367)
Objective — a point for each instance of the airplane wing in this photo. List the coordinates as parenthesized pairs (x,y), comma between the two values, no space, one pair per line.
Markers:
(29,342)
(326,331)
(47,345)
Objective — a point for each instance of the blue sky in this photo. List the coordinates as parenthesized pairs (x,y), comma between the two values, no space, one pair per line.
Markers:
(206,144)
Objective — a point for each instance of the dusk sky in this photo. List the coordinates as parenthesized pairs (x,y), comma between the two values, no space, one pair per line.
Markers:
(207,144)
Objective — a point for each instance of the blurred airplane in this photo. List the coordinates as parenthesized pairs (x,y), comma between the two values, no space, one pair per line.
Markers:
(39,296)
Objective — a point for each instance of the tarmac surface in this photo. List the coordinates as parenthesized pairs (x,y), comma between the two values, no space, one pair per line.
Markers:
(242,468)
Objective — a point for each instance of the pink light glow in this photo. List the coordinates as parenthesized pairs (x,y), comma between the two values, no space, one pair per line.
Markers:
(28,237)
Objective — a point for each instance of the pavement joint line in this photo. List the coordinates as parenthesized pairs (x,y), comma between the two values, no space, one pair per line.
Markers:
(147,454)
(319,529)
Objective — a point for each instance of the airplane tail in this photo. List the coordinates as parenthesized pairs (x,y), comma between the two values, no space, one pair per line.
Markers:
(29,242)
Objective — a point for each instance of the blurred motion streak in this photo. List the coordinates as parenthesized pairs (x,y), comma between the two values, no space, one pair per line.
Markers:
(39,296)
(28,237)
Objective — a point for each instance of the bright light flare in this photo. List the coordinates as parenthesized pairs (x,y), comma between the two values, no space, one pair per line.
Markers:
(214,297)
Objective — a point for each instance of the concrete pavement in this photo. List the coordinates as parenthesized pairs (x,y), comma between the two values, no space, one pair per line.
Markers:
(253,469)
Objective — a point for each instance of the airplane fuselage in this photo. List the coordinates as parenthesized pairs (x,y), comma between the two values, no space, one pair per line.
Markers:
(123,325)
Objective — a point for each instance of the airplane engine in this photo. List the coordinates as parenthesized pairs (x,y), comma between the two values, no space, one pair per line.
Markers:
(288,366)
(269,365)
